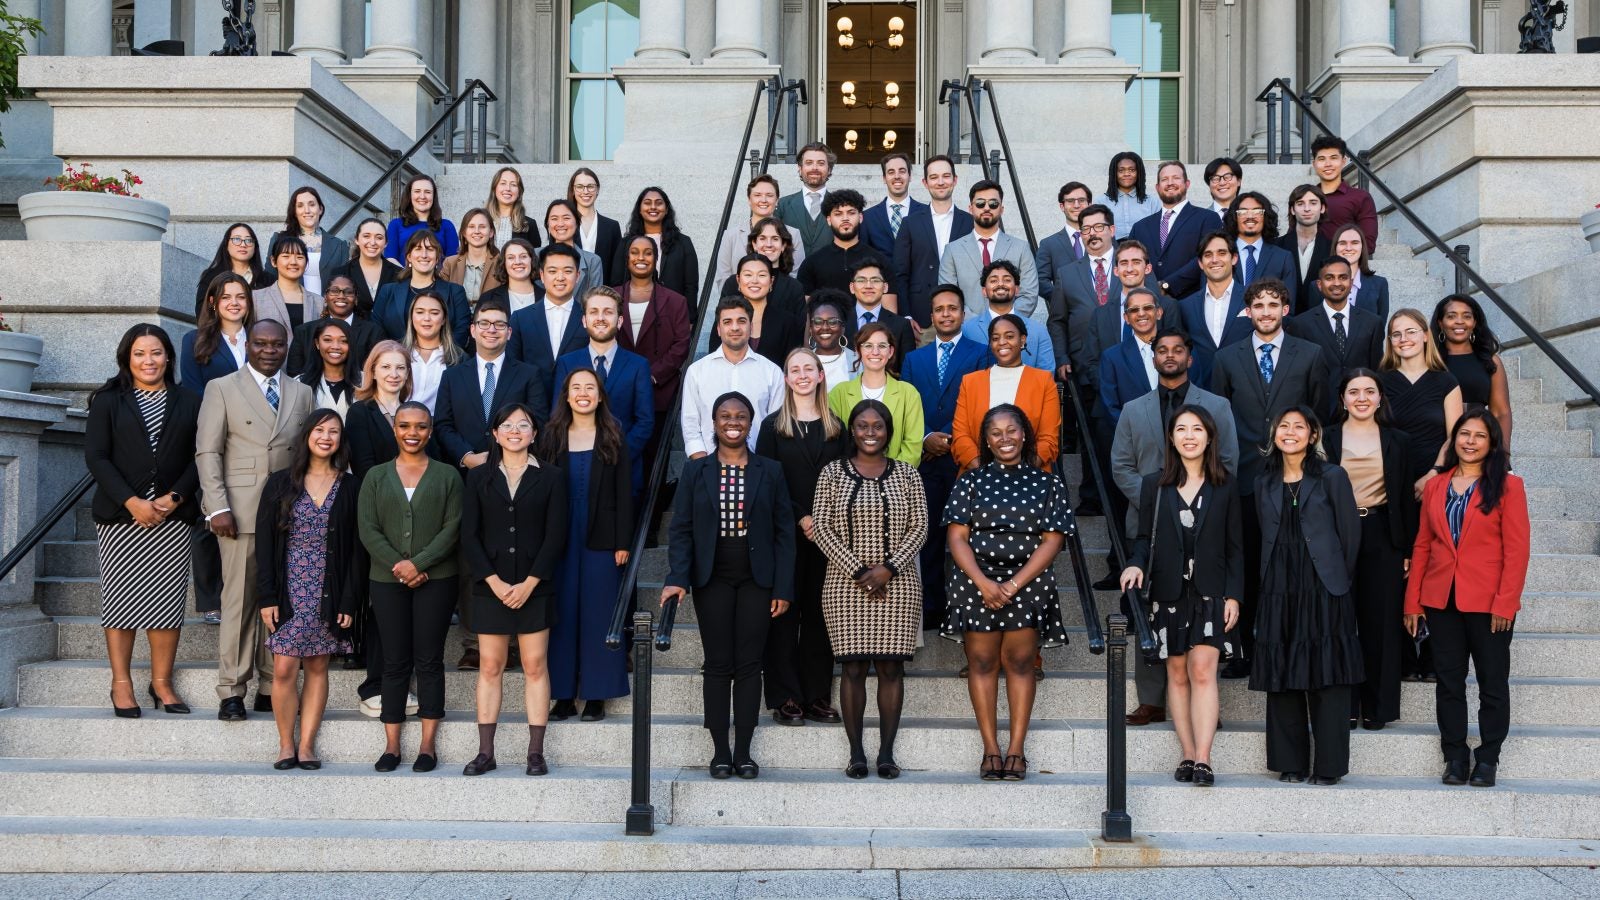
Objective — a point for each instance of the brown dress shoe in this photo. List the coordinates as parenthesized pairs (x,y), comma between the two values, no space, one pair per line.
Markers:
(1147,714)
(469,660)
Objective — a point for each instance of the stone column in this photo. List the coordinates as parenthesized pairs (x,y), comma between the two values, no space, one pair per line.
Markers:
(1274,50)
(88,31)
(319,30)
(1008,32)
(1446,30)
(395,29)
(27,9)
(478,56)
(1363,31)
(393,75)
(1087,32)
(738,31)
(661,31)
(152,21)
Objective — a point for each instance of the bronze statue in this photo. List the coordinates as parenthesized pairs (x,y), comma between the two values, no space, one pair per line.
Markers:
(238,29)
(1539,25)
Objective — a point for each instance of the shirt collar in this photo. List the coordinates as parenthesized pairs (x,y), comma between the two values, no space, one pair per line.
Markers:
(610,356)
(1226,294)
(1176,210)
(1277,342)
(877,312)
(261,380)
(1328,310)
(499,363)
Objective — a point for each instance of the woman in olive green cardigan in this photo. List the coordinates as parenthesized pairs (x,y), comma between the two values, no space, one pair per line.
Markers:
(409,515)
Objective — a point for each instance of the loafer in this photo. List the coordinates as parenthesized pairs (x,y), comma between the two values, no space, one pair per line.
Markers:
(1147,713)
(387,762)
(563,710)
(721,771)
(593,711)
(263,703)
(818,711)
(1482,775)
(747,769)
(1184,772)
(1293,777)
(1203,776)
(232,710)
(468,661)
(537,765)
(1455,773)
(1325,780)
(789,713)
(480,764)
(426,762)
(1372,725)
(287,763)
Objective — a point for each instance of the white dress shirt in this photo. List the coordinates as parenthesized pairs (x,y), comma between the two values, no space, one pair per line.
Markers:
(1217,311)
(1328,310)
(483,370)
(813,202)
(261,381)
(713,375)
(425,376)
(1305,256)
(235,346)
(1147,355)
(942,223)
(586,231)
(555,321)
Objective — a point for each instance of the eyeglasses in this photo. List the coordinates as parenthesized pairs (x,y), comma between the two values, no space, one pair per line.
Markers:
(1249,213)
(492,326)
(1222,178)
(868,279)
(515,426)
(330,292)
(818,322)
(986,204)
(1095,229)
(1412,333)
(585,188)
(239,241)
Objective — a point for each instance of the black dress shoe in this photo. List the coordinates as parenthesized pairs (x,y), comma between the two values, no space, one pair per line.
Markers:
(789,713)
(1184,772)
(231,710)
(1325,780)
(721,770)
(1372,725)
(287,763)
(818,711)
(1455,773)
(353,662)
(263,703)
(563,710)
(593,711)
(425,762)
(1108,583)
(1482,775)
(1293,777)
(1203,776)
(387,762)
(747,769)
(537,765)
(480,764)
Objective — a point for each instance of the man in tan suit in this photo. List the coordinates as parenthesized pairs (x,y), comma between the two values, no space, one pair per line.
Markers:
(249,422)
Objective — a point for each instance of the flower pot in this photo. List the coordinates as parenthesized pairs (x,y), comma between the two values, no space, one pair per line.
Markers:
(83,216)
(1591,229)
(19,356)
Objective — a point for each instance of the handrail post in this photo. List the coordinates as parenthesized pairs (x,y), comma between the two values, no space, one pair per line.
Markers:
(466,133)
(755,163)
(952,92)
(791,140)
(483,127)
(1463,285)
(1361,171)
(993,169)
(1286,149)
(774,100)
(1115,823)
(1272,126)
(975,97)
(641,820)
(1305,127)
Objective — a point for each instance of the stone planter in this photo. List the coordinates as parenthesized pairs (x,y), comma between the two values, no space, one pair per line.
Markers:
(19,356)
(1591,229)
(83,216)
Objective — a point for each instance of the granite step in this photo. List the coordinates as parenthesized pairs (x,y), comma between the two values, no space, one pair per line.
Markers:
(1543,442)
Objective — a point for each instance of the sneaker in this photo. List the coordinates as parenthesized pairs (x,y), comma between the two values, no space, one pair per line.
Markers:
(372,707)
(213,618)
(411,705)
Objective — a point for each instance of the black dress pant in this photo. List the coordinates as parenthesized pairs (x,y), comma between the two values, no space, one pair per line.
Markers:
(1297,718)
(414,622)
(206,558)
(734,614)
(1457,636)
(1244,634)
(372,645)
(938,479)
(799,657)
(1379,594)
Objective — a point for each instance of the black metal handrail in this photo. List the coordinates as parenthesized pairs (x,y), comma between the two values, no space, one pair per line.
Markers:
(36,534)
(1456,258)
(398,162)
(1009,158)
(1080,566)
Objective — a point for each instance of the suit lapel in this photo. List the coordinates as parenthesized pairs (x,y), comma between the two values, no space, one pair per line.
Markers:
(253,395)
(131,406)
(1203,505)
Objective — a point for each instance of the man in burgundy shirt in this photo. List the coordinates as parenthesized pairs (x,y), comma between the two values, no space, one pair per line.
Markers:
(1346,204)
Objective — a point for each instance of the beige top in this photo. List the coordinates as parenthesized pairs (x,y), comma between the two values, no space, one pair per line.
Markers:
(1366,476)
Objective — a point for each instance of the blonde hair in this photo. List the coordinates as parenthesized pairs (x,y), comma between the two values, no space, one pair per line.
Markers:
(1430,351)
(369,370)
(447,340)
(788,416)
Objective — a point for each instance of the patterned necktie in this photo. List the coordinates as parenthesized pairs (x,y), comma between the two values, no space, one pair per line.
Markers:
(1266,363)
(894,220)
(1340,338)
(1077,243)
(488,392)
(1166,223)
(1101,286)
(866,317)
(1249,263)
(272,393)
(945,349)
(985,243)
(600,371)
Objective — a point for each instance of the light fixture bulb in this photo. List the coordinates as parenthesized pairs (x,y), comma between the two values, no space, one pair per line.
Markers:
(897,24)
(847,87)
(889,137)
(844,24)
(891,88)
(896,41)
(851,135)
(892,102)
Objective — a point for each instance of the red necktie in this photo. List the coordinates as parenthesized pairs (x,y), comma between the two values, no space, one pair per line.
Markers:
(985,243)
(1100,285)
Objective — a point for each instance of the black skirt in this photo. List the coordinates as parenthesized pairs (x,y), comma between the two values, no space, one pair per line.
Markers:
(490,616)
(1306,638)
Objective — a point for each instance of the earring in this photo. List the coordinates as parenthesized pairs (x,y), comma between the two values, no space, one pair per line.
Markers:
(1472,336)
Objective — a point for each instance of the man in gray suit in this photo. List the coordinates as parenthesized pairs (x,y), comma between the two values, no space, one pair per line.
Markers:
(1140,449)
(802,210)
(249,423)
(1066,245)
(964,259)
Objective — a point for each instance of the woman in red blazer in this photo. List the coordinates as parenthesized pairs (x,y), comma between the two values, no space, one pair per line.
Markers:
(1035,395)
(1467,570)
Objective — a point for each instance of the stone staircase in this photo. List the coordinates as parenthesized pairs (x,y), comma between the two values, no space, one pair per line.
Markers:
(189,793)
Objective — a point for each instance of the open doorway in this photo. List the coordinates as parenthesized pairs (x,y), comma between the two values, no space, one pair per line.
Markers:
(870,67)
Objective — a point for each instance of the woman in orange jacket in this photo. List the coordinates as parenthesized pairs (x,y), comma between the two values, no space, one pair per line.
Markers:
(1007,381)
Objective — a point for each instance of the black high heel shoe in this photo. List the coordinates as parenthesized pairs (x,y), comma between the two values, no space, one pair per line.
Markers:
(124,712)
(179,708)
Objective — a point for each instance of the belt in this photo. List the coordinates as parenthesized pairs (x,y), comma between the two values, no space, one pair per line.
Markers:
(1364,511)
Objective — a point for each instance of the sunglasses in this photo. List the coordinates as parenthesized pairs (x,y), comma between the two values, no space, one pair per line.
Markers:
(986,204)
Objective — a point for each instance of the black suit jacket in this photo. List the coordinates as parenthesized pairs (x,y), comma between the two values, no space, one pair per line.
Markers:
(459,426)
(364,335)
(1395,447)
(610,501)
(899,332)
(770,523)
(116,448)
(1300,376)
(916,261)
(369,435)
(1177,263)
(607,237)
(1363,346)
(1320,250)
(365,297)
(514,537)
(1328,519)
(1218,542)
(678,269)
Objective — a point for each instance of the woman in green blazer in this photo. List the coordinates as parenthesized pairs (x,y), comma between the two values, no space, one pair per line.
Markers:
(875,346)
(409,517)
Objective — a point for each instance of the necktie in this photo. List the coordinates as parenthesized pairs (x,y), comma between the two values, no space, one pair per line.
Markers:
(1340,337)
(945,349)
(1166,222)
(488,392)
(1266,363)
(1101,286)
(600,371)
(813,205)
(894,220)
(1077,243)
(272,393)
(1249,263)
(866,317)
(985,243)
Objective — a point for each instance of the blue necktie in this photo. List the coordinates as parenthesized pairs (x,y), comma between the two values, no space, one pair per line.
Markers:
(1249,263)
(1266,363)
(866,317)
(894,220)
(488,392)
(600,371)
(272,393)
(946,348)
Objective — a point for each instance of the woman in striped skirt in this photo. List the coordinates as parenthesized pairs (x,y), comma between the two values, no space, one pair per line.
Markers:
(139,446)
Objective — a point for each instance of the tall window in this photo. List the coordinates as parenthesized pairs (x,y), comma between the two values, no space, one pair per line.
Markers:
(1148,34)
(602,34)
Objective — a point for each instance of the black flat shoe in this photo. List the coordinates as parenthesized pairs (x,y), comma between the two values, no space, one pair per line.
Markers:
(1293,777)
(1482,775)
(1455,773)
(1372,725)
(1325,780)
(887,769)
(131,712)
(310,765)
(1203,776)
(537,765)
(287,763)
(1184,772)
(747,769)
(179,708)
(563,710)
(353,662)
(263,703)
(593,711)
(231,710)
(1353,722)
(1015,771)
(721,771)
(857,769)
(387,762)
(989,772)
(480,764)
(425,762)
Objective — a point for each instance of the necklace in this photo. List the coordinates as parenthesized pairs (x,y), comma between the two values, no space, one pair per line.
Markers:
(1294,494)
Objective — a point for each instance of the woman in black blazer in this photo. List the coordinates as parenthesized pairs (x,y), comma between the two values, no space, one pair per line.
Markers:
(368,268)
(330,375)
(1307,652)
(513,533)
(780,321)
(139,446)
(679,267)
(308,612)
(733,543)
(770,238)
(1376,457)
(238,252)
(602,232)
(1189,544)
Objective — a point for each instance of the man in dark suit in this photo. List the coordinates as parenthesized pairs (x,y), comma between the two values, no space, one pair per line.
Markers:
(1350,336)
(1081,287)
(1174,234)
(802,210)
(1128,368)
(1108,325)
(1215,315)
(553,326)
(338,302)
(868,286)
(922,239)
(1253,222)
(881,222)
(935,370)
(1260,378)
(623,375)
(1066,245)
(1304,241)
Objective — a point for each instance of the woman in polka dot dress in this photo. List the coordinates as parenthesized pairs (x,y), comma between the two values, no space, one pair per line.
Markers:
(1007,520)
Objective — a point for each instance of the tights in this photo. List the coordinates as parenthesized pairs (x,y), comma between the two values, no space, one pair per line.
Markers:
(853,704)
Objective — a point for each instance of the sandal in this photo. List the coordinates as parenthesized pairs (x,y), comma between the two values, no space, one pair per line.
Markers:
(1017,772)
(988,772)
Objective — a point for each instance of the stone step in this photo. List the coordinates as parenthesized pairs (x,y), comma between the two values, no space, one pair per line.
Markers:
(935,745)
(1558,443)
(932,695)
(1538,415)
(1578,502)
